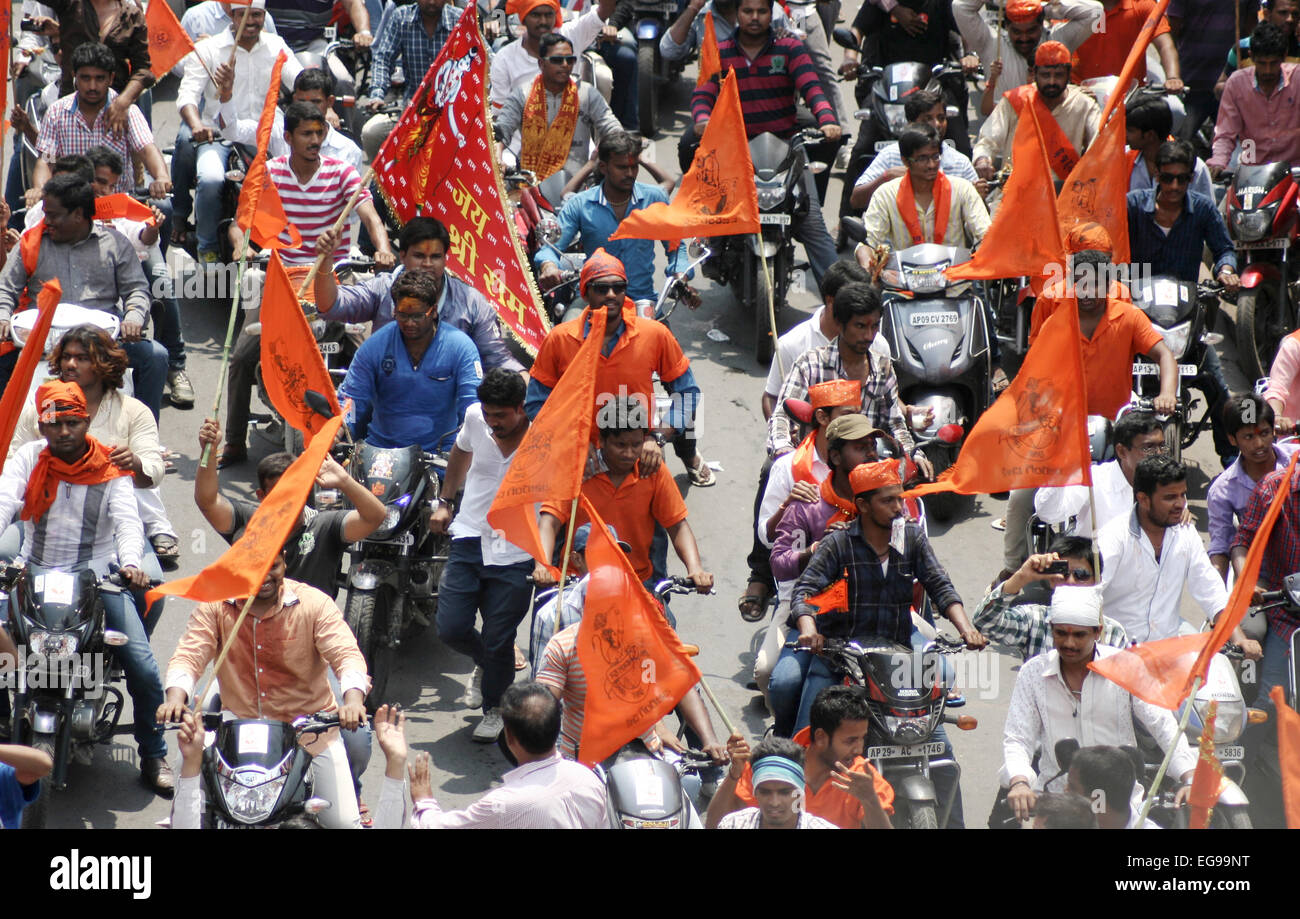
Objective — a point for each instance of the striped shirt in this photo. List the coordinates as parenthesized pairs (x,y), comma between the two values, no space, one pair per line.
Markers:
(767,86)
(561,669)
(751,818)
(64,132)
(314,207)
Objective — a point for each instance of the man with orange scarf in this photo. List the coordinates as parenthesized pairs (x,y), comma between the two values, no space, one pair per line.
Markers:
(515,64)
(78,512)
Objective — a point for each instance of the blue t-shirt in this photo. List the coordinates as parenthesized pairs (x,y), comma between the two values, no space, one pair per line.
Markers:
(14,797)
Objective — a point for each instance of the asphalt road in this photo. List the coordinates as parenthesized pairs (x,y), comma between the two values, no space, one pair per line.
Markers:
(430,677)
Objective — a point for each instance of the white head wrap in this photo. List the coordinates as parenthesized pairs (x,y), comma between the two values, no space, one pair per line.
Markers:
(1078,606)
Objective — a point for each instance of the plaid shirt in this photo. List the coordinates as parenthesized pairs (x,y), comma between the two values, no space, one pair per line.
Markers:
(64,132)
(1282,554)
(879,396)
(1023,627)
(404,38)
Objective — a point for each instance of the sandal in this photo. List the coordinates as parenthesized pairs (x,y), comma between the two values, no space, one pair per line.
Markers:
(701,475)
(367,819)
(753,606)
(167,549)
(1000,524)
(521,659)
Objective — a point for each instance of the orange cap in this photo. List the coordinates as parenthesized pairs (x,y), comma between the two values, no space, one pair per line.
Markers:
(870,476)
(600,264)
(834,393)
(56,400)
(1052,54)
(1088,236)
(1024,10)
(522,8)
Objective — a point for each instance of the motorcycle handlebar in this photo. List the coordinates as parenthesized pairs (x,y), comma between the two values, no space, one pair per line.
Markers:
(677,585)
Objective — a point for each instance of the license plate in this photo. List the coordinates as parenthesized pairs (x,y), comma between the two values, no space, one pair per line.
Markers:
(1230,753)
(330,347)
(778,219)
(406,539)
(921,749)
(1280,243)
(882,144)
(1142,369)
(942,317)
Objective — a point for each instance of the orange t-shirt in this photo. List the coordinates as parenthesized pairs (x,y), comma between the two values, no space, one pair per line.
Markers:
(645,348)
(632,509)
(1123,332)
(1104,53)
(828,802)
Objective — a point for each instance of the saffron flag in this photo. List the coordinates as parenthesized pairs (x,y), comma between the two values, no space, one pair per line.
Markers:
(439,162)
(1288,749)
(1095,191)
(242,568)
(20,383)
(833,599)
(636,667)
(1025,237)
(259,203)
(547,466)
(1208,776)
(1036,434)
(1137,53)
(1162,672)
(111,207)
(710,60)
(168,41)
(291,361)
(717,196)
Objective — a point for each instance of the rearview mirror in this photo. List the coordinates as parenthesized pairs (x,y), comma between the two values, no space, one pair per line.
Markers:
(318,403)
(844,37)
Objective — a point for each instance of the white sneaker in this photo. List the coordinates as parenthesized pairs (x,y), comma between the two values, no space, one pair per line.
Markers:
(473,697)
(490,728)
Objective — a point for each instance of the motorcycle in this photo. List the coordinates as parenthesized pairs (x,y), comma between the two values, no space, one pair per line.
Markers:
(907,695)
(653,17)
(62,705)
(1262,217)
(645,791)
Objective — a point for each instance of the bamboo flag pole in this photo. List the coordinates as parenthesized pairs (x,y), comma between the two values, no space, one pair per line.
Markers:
(1169,754)
(564,565)
(337,228)
(1002,22)
(238,32)
(717,706)
(230,334)
(771,306)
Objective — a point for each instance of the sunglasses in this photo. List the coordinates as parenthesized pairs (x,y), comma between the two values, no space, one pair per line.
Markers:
(1175,178)
(1155,449)
(413,317)
(922,159)
(1080,574)
(558,59)
(600,289)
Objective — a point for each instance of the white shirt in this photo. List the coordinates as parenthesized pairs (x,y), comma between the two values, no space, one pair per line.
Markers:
(1143,594)
(751,818)
(548,794)
(804,337)
(780,482)
(1111,491)
(486,470)
(1074,22)
(209,18)
(244,131)
(87,526)
(513,66)
(252,75)
(1043,711)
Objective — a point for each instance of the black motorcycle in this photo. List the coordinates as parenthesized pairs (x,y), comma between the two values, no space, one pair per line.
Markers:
(653,17)
(645,791)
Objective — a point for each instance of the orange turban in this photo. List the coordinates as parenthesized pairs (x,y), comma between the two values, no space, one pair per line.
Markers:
(522,8)
(1088,236)
(870,476)
(1024,10)
(600,264)
(56,400)
(834,393)
(1052,54)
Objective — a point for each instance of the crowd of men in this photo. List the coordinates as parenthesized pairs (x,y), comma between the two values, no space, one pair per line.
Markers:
(81,487)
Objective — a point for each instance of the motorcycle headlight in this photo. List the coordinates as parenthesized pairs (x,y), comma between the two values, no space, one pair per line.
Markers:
(897,119)
(1251,226)
(769,198)
(1229,722)
(53,644)
(391,518)
(251,792)
(926,280)
(1176,338)
(907,730)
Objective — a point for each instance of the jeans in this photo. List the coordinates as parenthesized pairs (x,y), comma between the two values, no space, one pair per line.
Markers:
(621,57)
(1200,105)
(167,317)
(242,377)
(142,679)
(811,231)
(501,593)
(149,565)
(148,361)
(198,176)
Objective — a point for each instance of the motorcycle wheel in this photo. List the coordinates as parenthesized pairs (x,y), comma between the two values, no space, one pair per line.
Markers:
(1231,818)
(36,813)
(922,817)
(764,342)
(1258,331)
(366,614)
(647,101)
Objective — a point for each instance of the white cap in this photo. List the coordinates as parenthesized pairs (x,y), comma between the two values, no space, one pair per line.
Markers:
(255,4)
(1079,606)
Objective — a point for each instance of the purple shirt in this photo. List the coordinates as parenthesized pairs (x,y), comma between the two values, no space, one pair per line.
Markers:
(1272,122)
(1206,37)
(801,525)
(1229,494)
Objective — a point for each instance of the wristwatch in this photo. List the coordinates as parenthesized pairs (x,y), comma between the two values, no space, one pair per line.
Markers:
(659,439)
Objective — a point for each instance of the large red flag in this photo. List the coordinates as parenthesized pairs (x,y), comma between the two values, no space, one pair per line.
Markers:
(168,42)
(291,360)
(715,197)
(547,466)
(259,202)
(1288,751)
(1096,189)
(1036,434)
(636,667)
(439,162)
(242,568)
(20,382)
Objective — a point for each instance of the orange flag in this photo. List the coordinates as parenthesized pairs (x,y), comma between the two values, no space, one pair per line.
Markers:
(1208,777)
(110,207)
(1288,750)
(1137,53)
(20,383)
(636,667)
(715,198)
(259,202)
(1025,237)
(242,568)
(1036,434)
(548,464)
(1095,191)
(291,361)
(832,599)
(710,60)
(168,41)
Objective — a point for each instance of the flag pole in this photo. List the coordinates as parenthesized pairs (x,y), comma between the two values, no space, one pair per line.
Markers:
(1169,754)
(1002,16)
(235,47)
(225,649)
(564,565)
(337,228)
(771,304)
(717,706)
(1092,510)
(230,334)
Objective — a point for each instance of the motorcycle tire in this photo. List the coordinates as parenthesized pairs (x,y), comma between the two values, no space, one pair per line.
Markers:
(36,813)
(647,101)
(1231,818)
(1257,338)
(754,292)
(366,614)
(922,817)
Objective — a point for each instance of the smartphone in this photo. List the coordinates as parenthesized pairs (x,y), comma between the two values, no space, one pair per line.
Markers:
(1062,568)
(29,25)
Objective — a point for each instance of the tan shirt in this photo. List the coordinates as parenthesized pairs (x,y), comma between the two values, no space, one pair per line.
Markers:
(1078,116)
(121,421)
(968,218)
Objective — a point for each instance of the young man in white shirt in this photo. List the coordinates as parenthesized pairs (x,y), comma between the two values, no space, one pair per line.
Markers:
(516,64)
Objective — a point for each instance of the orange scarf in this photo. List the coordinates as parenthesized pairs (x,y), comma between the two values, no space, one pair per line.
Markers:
(1060,152)
(29,250)
(802,467)
(942,205)
(845,509)
(93,468)
(545,149)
